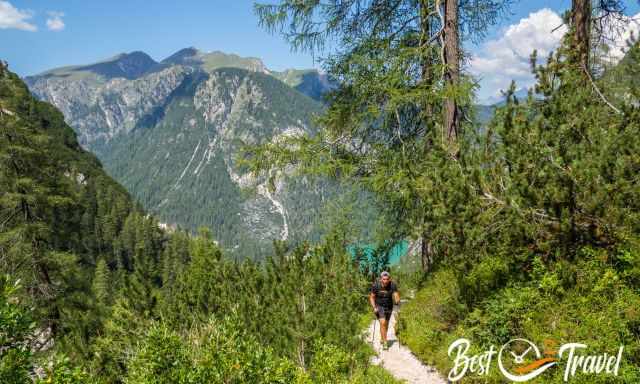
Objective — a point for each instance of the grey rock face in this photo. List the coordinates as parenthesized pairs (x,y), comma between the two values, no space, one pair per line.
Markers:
(99,109)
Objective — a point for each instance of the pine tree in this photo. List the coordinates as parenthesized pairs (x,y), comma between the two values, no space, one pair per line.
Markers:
(101,284)
(204,283)
(34,192)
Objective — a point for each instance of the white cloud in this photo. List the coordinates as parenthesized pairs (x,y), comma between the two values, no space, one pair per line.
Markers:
(628,26)
(506,58)
(54,21)
(13,18)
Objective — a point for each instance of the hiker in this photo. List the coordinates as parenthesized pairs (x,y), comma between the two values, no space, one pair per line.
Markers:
(382,295)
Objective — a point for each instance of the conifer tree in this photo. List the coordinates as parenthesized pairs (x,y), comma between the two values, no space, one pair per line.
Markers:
(101,284)
(451,55)
(203,280)
(33,192)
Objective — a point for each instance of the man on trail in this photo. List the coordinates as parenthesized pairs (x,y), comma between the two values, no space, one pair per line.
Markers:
(382,295)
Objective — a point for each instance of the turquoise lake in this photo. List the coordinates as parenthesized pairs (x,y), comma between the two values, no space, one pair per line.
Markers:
(396,252)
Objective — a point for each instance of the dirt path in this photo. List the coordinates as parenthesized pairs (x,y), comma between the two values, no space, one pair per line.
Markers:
(398,359)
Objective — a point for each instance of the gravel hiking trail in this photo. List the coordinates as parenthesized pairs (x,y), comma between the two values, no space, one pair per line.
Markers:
(398,360)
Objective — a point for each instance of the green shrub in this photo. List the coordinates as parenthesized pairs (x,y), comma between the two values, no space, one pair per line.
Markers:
(61,370)
(15,326)
(161,358)
(484,277)
(599,309)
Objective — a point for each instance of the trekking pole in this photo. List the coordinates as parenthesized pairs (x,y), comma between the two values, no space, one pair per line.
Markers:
(398,325)
(373,335)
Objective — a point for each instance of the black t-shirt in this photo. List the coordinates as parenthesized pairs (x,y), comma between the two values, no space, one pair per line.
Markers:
(384,295)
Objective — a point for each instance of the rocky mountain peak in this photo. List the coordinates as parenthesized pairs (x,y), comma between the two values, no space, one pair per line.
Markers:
(209,61)
(128,65)
(182,56)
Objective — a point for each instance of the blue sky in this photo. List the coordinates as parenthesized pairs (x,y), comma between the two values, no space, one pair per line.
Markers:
(95,30)
(36,35)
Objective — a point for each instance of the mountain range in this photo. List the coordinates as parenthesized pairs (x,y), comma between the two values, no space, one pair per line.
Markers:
(170,131)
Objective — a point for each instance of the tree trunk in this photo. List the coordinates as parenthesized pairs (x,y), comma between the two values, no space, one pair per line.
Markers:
(426,252)
(452,72)
(581,23)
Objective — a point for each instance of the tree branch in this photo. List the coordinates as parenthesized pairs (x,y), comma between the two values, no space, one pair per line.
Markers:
(595,87)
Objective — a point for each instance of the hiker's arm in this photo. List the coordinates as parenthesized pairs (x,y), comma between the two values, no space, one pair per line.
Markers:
(372,300)
(396,297)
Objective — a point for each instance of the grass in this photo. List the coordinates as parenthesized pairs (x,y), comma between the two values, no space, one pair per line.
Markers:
(373,374)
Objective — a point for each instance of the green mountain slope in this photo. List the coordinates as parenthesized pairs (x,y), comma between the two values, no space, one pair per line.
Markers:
(182,167)
(60,213)
(209,61)
(127,65)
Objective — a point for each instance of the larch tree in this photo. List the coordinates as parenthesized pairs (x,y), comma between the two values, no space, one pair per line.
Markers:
(400,94)
(451,56)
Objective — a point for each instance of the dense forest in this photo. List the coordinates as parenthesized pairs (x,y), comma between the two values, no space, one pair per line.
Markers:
(529,225)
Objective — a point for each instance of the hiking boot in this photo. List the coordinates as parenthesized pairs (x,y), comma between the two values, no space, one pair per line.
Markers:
(385,345)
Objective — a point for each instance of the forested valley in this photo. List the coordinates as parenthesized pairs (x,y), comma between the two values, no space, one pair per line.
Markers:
(528,225)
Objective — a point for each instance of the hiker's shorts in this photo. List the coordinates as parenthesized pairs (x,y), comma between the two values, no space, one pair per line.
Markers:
(384,312)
